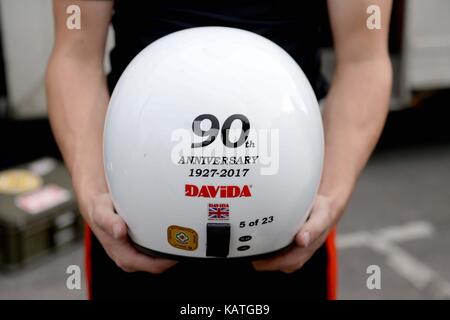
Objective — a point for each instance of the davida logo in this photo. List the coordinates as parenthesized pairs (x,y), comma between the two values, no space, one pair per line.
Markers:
(217,191)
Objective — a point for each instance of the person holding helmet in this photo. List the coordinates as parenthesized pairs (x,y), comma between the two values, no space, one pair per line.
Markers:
(354,112)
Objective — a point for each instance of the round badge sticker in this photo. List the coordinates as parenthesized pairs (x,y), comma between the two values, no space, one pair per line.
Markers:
(18,181)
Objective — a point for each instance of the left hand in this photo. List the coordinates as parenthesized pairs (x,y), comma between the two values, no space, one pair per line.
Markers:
(310,237)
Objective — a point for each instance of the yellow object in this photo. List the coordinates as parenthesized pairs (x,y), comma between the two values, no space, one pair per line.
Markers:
(18,181)
(182,238)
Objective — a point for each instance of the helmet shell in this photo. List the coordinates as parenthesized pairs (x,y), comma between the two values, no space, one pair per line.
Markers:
(213,138)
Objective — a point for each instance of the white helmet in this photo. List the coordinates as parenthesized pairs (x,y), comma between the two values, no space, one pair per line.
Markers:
(213,146)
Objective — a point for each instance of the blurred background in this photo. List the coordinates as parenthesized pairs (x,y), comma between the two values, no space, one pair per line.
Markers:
(398,219)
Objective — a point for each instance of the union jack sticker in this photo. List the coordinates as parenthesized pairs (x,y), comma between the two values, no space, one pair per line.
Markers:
(218,211)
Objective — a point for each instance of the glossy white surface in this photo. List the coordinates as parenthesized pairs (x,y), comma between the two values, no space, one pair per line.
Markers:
(218,71)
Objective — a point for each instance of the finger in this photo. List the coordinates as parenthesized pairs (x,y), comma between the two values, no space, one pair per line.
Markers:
(317,225)
(130,260)
(288,260)
(266,265)
(109,222)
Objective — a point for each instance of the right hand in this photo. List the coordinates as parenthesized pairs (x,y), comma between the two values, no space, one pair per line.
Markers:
(111,231)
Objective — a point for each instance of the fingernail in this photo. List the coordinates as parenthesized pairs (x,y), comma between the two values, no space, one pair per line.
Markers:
(116,231)
(305,238)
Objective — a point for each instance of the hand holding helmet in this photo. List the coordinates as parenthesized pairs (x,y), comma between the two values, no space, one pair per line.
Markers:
(111,231)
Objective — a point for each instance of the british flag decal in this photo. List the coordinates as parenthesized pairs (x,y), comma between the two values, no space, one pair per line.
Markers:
(218,211)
